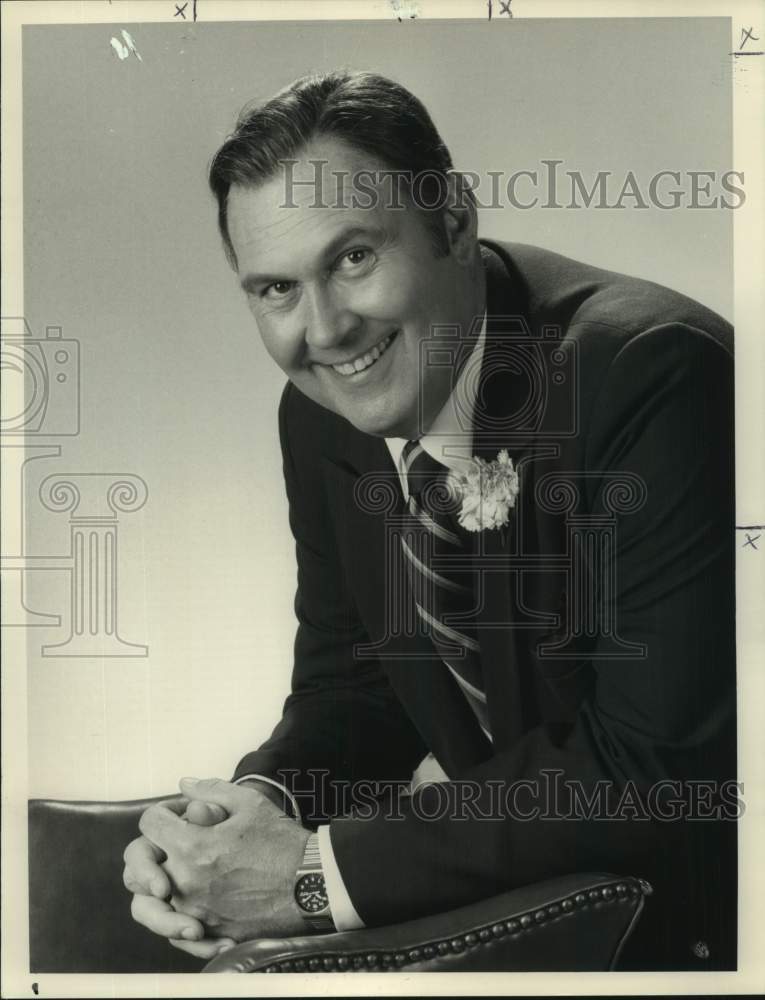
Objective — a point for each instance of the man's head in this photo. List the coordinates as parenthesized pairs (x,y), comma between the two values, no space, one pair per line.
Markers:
(345,283)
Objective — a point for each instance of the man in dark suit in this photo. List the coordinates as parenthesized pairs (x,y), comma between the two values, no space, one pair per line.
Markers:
(578,699)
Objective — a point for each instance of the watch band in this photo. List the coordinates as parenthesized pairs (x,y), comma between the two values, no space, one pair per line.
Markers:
(310,885)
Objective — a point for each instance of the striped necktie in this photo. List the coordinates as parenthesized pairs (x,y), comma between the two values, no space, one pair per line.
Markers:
(444,600)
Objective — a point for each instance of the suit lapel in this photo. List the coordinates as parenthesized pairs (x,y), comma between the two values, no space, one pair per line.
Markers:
(366,500)
(505,623)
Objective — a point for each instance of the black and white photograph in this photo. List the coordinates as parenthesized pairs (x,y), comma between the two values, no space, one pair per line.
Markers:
(383,518)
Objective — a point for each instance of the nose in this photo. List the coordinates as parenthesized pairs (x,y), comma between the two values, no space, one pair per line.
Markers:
(329,320)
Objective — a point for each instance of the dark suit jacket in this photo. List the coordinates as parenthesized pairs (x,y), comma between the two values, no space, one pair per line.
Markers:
(636,388)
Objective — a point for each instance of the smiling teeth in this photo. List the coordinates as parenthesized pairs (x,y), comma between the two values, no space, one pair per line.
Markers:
(359,364)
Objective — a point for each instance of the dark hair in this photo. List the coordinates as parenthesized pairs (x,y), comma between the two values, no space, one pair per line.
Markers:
(367,111)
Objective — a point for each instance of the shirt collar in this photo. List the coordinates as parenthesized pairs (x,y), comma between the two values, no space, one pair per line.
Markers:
(450,436)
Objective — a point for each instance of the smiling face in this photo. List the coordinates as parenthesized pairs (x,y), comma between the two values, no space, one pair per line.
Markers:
(343,296)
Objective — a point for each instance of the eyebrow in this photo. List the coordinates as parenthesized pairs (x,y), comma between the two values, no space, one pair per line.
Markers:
(252,281)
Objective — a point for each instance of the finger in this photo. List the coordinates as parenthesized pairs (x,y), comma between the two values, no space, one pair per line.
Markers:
(160,918)
(162,826)
(218,791)
(205,813)
(207,948)
(142,869)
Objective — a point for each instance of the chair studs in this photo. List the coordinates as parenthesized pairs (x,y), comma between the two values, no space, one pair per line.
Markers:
(567,905)
(701,950)
(313,964)
(371,960)
(621,889)
(540,916)
(285,966)
(580,899)
(271,968)
(553,910)
(457,944)
(415,955)
(513,926)
(498,930)
(526,920)
(607,892)
(329,963)
(484,934)
(399,958)
(299,965)
(471,940)
(443,947)
(594,895)
(428,951)
(342,962)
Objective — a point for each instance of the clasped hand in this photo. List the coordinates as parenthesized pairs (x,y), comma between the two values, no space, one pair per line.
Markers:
(216,869)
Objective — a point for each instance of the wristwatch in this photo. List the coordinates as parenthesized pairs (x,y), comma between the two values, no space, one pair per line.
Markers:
(310,889)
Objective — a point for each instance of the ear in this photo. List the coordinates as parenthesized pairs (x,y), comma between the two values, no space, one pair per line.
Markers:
(460,219)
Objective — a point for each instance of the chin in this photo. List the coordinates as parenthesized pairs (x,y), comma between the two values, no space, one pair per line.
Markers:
(382,425)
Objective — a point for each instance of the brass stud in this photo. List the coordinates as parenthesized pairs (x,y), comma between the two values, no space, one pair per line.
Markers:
(471,940)
(286,966)
(512,926)
(399,958)
(594,895)
(371,959)
(498,930)
(607,892)
(457,944)
(428,951)
(540,916)
(342,962)
(443,947)
(313,964)
(484,934)
(580,899)
(415,955)
(299,965)
(329,963)
(701,949)
(553,910)
(526,920)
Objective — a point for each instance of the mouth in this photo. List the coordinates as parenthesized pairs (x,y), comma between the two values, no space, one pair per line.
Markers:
(365,361)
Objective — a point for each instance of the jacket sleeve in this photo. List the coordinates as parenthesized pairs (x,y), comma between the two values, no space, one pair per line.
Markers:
(341,723)
(665,414)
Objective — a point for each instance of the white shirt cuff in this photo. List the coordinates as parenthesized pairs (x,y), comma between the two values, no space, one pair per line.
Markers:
(344,915)
(277,784)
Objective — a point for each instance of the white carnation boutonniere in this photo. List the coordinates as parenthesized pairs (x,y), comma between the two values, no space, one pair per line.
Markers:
(487,491)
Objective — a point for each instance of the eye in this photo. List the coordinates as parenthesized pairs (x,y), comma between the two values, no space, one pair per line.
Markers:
(353,260)
(277,290)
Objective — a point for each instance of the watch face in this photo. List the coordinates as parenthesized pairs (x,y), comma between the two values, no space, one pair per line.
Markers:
(311,893)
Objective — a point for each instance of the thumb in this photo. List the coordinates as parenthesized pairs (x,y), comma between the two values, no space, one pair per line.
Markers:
(215,790)
(204,813)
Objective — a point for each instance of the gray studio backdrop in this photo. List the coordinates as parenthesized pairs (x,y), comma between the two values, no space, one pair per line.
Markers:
(176,392)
